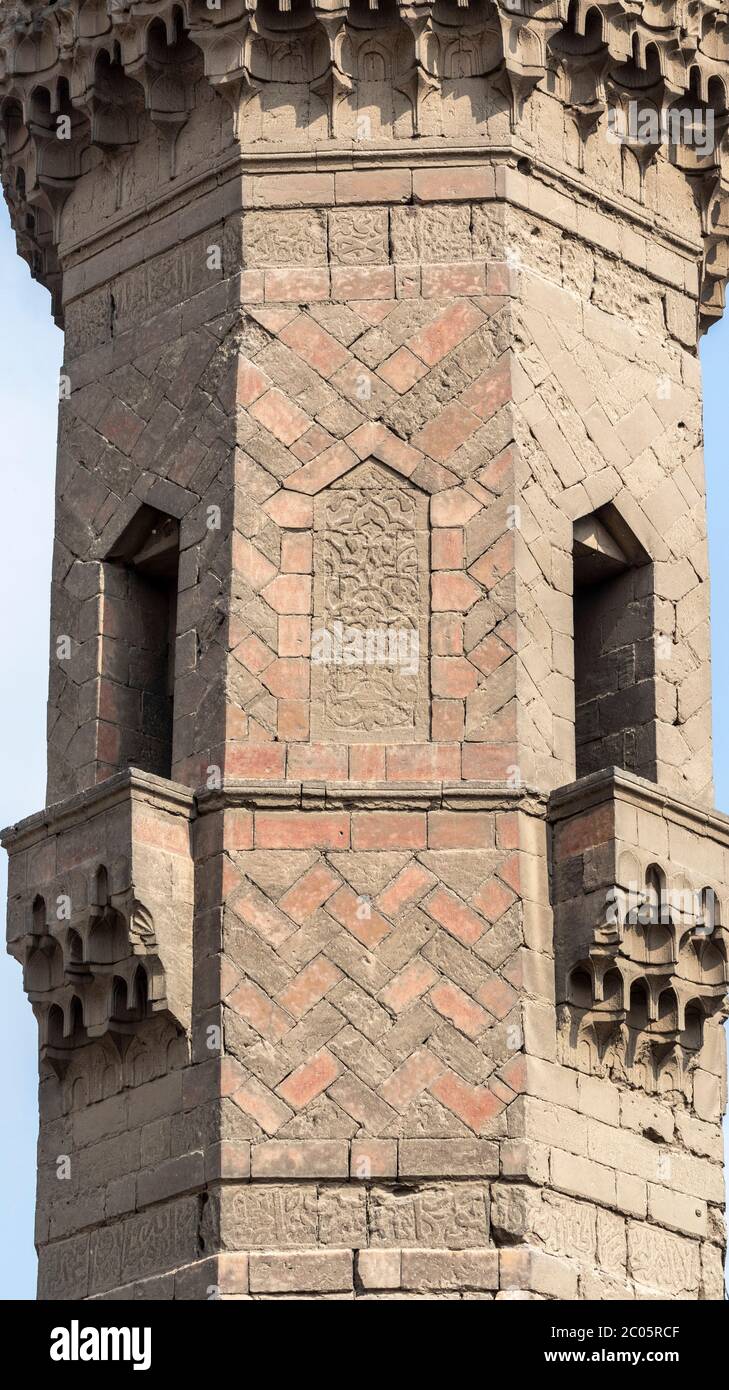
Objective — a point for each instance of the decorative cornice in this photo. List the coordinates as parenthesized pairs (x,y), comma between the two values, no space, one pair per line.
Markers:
(510,186)
(102,943)
(97,68)
(613,784)
(370,796)
(114,791)
(132,784)
(641,949)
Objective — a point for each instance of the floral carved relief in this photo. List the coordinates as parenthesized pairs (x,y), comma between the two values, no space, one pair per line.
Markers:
(369,639)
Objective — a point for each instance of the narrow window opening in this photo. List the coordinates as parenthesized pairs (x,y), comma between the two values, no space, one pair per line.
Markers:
(614,648)
(39,917)
(140,626)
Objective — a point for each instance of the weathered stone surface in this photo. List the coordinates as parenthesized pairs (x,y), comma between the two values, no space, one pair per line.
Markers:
(380,543)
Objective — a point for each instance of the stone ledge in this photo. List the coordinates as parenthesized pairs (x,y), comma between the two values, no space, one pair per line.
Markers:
(131,783)
(139,236)
(615,783)
(100,910)
(640,889)
(545,48)
(458,796)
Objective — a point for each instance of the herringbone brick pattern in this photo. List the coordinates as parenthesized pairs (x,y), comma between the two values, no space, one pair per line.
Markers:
(371,994)
(509,411)
(420,386)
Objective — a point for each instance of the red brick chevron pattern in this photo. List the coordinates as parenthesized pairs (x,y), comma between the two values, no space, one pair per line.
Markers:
(420,386)
(373,993)
(262,407)
(275,403)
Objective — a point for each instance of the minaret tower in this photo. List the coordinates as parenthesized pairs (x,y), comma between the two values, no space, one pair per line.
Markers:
(373,925)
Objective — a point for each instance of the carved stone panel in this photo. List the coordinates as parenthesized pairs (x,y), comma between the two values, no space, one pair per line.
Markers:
(641,948)
(661,1260)
(370,626)
(103,924)
(359,236)
(438,1217)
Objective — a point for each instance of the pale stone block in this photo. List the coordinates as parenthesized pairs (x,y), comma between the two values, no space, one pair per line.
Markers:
(379,1269)
(300,1271)
(533,1271)
(674,1209)
(450,1269)
(631,1194)
(540,1036)
(582,1176)
(597,1287)
(612,1248)
(524,1158)
(647,1116)
(599,1098)
(660,1260)
(541,348)
(707,1095)
(552,1082)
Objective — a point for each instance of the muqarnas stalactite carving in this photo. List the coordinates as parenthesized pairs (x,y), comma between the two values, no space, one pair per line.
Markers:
(642,971)
(103,943)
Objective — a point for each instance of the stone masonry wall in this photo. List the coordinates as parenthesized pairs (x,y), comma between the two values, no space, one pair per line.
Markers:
(382,978)
(415,366)
(371,317)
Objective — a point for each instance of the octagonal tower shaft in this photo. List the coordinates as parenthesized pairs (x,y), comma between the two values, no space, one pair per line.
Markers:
(374,922)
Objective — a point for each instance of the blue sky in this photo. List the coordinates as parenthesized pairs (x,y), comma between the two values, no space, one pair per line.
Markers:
(30,358)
